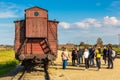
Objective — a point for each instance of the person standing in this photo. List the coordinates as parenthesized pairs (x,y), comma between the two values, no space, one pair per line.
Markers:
(74,56)
(110,59)
(92,56)
(98,57)
(105,51)
(80,55)
(86,54)
(65,57)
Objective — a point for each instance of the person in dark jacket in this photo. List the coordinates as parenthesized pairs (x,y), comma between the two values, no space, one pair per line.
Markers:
(110,59)
(91,56)
(74,56)
(80,55)
(105,52)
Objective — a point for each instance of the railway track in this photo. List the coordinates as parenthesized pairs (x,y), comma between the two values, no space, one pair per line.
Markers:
(39,74)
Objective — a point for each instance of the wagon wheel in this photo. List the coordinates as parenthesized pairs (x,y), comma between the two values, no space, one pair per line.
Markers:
(28,65)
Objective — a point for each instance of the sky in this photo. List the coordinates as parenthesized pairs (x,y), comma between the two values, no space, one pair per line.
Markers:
(79,20)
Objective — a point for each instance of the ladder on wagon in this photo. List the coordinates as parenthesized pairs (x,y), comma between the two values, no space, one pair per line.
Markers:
(46,49)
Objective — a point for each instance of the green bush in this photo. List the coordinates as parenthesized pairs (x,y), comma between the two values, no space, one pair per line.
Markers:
(117,50)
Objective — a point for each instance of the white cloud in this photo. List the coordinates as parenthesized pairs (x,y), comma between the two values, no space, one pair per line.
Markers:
(87,23)
(8,10)
(93,23)
(111,21)
(81,25)
(7,14)
(64,25)
(11,10)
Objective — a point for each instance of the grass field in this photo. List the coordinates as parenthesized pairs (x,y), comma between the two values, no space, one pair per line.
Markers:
(7,61)
(117,50)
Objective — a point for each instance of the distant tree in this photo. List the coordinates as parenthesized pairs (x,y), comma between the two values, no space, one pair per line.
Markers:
(99,41)
(109,44)
(63,48)
(115,45)
(1,45)
(86,45)
(82,43)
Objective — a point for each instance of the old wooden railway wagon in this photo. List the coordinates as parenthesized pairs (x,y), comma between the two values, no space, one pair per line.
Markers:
(36,37)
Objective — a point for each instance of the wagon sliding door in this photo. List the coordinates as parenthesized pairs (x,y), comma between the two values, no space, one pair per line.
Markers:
(52,35)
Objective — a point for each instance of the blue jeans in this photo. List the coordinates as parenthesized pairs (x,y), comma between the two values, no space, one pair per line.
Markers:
(110,63)
(92,61)
(64,64)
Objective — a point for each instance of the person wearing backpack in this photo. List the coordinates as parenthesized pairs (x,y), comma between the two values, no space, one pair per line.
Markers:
(110,58)
(114,54)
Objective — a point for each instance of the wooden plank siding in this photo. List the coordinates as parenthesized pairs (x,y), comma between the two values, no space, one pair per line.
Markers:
(33,47)
(36,26)
(19,34)
(52,35)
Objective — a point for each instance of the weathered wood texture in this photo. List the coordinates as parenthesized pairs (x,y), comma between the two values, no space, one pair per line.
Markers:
(52,35)
(35,29)
(36,26)
(19,34)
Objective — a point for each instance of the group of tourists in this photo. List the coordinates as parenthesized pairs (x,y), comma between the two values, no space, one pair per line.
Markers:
(89,56)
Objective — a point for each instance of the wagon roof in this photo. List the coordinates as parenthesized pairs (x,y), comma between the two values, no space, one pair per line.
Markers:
(18,21)
(53,21)
(36,7)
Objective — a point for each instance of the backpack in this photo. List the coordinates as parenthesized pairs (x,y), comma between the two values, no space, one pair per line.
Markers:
(113,54)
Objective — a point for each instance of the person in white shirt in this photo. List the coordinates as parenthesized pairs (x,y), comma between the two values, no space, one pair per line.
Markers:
(86,55)
(65,57)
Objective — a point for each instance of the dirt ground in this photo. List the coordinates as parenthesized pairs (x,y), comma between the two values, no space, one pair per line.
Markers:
(79,73)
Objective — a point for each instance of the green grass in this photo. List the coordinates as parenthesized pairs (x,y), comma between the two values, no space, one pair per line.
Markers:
(7,61)
(117,50)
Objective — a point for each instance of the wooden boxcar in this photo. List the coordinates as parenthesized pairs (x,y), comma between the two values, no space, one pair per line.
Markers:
(36,36)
